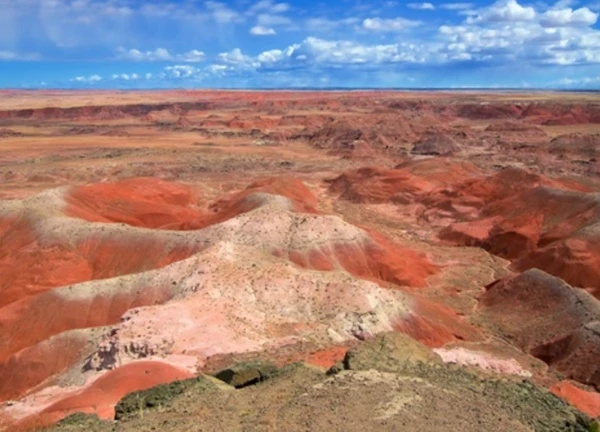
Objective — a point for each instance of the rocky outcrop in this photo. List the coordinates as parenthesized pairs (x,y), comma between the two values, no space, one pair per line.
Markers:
(393,381)
(246,374)
(576,144)
(390,352)
(436,145)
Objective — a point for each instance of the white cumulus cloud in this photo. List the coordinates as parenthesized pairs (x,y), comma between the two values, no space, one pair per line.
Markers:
(507,11)
(568,17)
(159,54)
(262,31)
(237,58)
(180,71)
(88,79)
(269,6)
(421,6)
(321,52)
(125,77)
(388,25)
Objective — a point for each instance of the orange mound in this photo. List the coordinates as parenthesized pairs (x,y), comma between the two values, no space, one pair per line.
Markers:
(142,202)
(435,325)
(289,187)
(575,259)
(238,203)
(488,193)
(586,401)
(536,221)
(32,262)
(101,396)
(489,111)
(549,319)
(436,144)
(373,259)
(405,183)
(341,137)
(32,320)
(29,367)
(110,257)
(29,264)
(581,145)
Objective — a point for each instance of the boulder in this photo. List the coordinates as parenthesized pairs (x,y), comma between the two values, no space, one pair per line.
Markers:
(247,374)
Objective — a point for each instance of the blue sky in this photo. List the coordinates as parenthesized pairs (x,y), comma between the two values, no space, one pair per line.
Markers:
(311,43)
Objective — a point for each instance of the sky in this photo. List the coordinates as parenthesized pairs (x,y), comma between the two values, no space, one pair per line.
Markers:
(135,44)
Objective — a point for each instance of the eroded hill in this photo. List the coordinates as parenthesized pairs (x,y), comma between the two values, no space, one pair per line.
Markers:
(174,235)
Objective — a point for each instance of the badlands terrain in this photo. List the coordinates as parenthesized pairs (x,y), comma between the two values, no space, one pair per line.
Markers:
(263,261)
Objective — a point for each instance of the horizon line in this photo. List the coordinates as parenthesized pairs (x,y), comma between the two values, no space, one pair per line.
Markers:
(309,89)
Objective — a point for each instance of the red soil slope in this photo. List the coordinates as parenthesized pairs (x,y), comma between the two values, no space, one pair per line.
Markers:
(31,366)
(576,259)
(373,258)
(549,319)
(404,184)
(34,261)
(436,325)
(530,219)
(101,396)
(588,402)
(141,202)
(46,317)
(548,228)
(289,187)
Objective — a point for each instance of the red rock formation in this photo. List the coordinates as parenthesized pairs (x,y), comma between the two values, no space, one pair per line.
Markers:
(29,367)
(436,145)
(341,137)
(576,259)
(403,184)
(34,319)
(9,133)
(531,219)
(47,314)
(302,197)
(372,258)
(33,262)
(142,202)
(485,111)
(549,319)
(435,325)
(515,126)
(575,144)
